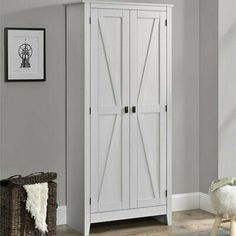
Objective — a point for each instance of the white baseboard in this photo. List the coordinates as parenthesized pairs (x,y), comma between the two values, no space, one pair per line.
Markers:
(190,201)
(61,215)
(180,202)
(185,201)
(205,203)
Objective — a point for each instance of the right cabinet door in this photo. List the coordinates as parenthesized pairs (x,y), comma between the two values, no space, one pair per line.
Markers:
(148,108)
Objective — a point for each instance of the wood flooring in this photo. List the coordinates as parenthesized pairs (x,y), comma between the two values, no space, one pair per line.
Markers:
(183,222)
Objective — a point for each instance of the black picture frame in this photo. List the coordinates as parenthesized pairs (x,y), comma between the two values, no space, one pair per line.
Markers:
(7,56)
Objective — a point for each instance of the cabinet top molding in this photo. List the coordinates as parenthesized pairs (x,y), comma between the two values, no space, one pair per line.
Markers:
(119,3)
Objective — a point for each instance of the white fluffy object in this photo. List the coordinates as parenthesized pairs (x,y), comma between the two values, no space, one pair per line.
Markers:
(36,204)
(224,200)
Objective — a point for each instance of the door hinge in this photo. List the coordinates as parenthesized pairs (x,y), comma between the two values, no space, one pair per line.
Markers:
(166,22)
(90,110)
(166,193)
(90,20)
(90,201)
(166,108)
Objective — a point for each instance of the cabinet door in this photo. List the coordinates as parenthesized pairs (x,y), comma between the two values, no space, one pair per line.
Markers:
(148,96)
(109,122)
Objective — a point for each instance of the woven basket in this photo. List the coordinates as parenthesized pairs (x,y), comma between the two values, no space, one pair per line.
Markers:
(15,220)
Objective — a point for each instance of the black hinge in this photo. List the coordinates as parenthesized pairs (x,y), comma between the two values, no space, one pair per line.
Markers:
(166,22)
(90,20)
(166,108)
(166,193)
(90,110)
(90,201)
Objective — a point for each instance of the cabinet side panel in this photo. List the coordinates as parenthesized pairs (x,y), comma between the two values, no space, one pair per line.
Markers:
(75,116)
(169,116)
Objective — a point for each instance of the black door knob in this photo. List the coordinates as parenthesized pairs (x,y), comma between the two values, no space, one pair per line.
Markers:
(134,109)
(126,110)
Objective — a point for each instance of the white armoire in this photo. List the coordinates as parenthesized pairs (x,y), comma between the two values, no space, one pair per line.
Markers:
(118,111)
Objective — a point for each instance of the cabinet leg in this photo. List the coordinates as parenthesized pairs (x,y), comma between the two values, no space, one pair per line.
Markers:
(86,229)
(169,219)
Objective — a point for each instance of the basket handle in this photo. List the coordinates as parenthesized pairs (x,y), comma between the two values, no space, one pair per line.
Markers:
(15,176)
(36,173)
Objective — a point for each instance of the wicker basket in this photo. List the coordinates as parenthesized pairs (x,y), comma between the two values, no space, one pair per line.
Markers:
(14,219)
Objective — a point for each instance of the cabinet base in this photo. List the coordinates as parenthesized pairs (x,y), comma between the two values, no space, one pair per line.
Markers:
(128,214)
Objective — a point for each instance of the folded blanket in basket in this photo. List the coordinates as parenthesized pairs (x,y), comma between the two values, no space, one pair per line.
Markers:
(36,204)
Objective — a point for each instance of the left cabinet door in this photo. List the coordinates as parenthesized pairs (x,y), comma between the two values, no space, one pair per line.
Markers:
(109,118)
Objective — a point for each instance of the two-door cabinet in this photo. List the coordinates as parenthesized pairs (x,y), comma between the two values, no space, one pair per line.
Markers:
(118,111)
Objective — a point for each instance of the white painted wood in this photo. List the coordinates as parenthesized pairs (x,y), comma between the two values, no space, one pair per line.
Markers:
(128,6)
(148,126)
(185,201)
(94,112)
(149,14)
(127,214)
(110,125)
(126,62)
(180,202)
(126,118)
(163,114)
(188,201)
(133,117)
(123,4)
(87,102)
(61,215)
(205,203)
(169,114)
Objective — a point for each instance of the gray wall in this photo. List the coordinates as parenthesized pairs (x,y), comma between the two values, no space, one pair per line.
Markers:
(33,114)
(186,96)
(75,118)
(208,113)
(227,88)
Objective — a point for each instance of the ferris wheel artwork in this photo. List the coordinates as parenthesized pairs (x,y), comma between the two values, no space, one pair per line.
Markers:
(25,54)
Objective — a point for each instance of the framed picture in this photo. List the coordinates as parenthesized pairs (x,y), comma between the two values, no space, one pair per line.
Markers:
(25,57)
